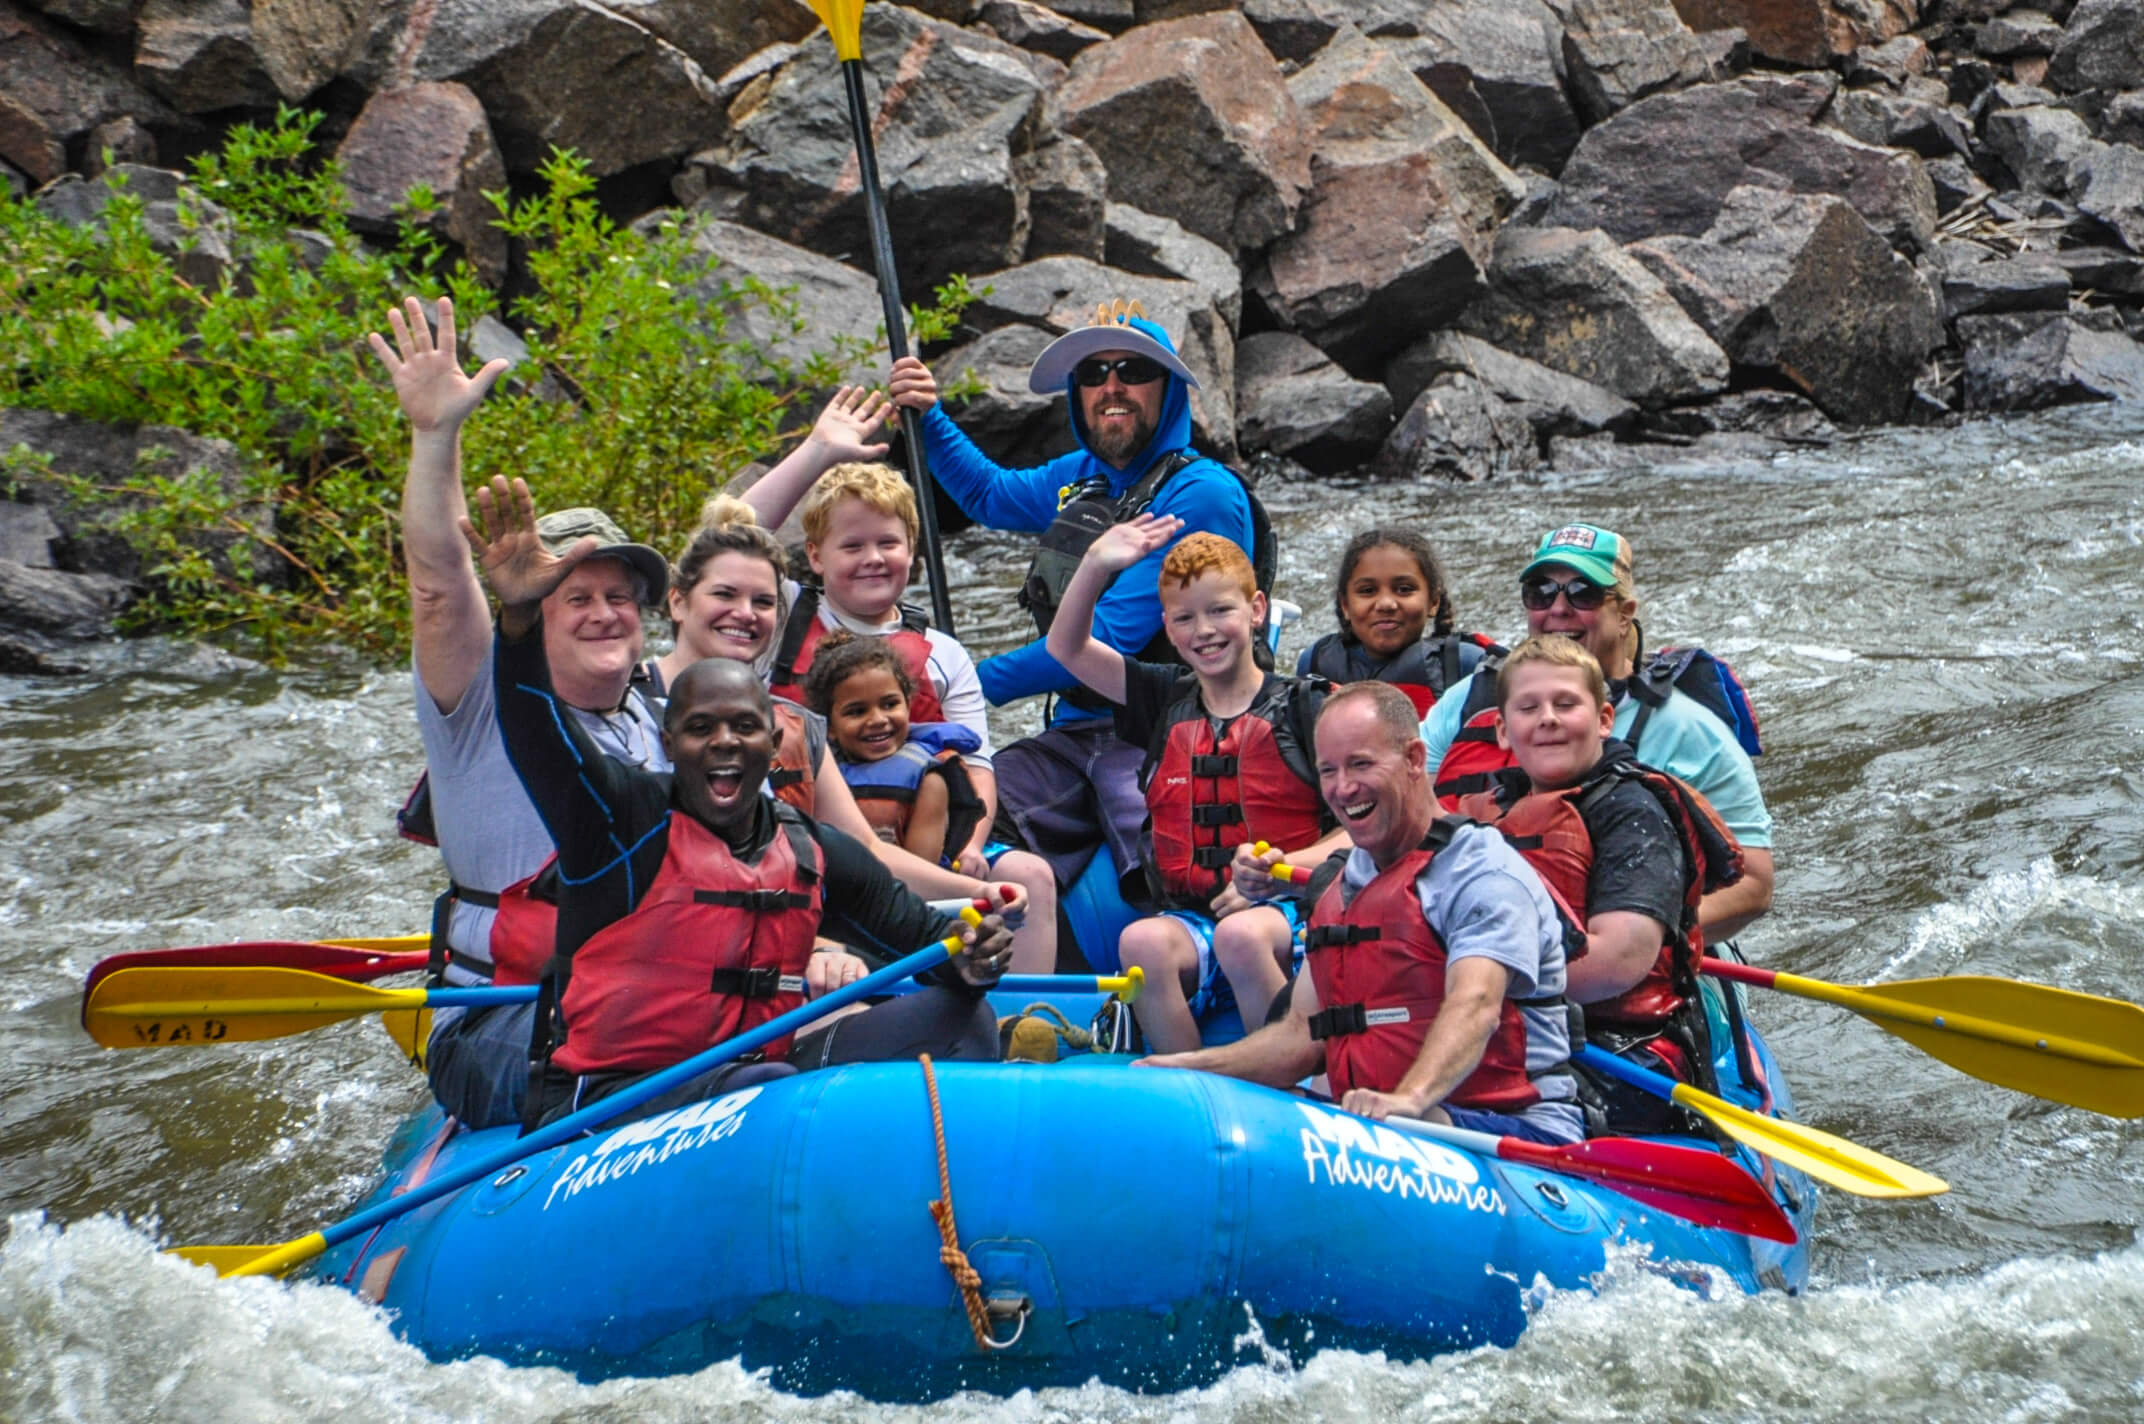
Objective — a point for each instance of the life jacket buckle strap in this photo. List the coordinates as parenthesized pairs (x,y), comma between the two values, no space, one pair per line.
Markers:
(762,902)
(1213,766)
(1212,815)
(1212,857)
(762,983)
(1338,1022)
(1319,936)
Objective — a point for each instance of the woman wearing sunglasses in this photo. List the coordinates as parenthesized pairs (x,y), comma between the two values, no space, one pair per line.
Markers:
(1578,584)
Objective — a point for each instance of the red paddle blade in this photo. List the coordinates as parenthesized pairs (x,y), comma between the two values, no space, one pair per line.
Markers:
(1688,1182)
(356,965)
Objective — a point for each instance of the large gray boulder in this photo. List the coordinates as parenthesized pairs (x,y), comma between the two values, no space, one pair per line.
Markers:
(54,91)
(1498,64)
(1924,122)
(718,35)
(1194,122)
(205,55)
(1802,287)
(1009,422)
(110,454)
(954,112)
(1067,198)
(2038,144)
(1058,294)
(1457,429)
(1806,33)
(1552,402)
(436,135)
(1667,164)
(1402,196)
(1154,246)
(569,73)
(1618,51)
(2018,33)
(192,232)
(821,305)
(111,17)
(1294,400)
(57,604)
(1576,302)
(2033,359)
(2102,48)
(2107,183)
(2012,284)
(1039,28)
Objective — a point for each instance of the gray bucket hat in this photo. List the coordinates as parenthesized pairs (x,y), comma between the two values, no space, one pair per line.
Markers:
(1123,327)
(561,529)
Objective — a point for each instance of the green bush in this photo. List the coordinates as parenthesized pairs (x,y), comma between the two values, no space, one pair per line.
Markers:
(636,397)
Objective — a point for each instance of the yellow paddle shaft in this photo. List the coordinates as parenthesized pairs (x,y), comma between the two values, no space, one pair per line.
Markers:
(1878,1005)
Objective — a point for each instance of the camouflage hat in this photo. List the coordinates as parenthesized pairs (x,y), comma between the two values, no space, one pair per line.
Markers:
(561,529)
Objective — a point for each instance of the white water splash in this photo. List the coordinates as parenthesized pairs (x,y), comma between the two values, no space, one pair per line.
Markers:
(96,1326)
(1945,935)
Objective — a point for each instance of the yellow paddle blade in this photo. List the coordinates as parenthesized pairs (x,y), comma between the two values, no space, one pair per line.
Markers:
(1846,1165)
(2057,1044)
(411,1029)
(157,1007)
(844,22)
(392,944)
(253,1260)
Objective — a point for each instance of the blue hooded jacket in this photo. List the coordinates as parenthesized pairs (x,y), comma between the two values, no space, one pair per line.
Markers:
(1204,494)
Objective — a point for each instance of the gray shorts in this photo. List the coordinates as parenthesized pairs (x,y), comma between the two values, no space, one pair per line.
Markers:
(1069,789)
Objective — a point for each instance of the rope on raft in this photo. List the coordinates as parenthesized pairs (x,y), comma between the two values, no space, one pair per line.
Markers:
(950,1255)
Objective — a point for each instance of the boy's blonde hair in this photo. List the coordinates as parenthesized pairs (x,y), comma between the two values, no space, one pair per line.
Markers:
(1204,553)
(879,486)
(1552,650)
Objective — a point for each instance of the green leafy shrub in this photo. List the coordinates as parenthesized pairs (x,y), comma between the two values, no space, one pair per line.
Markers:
(636,396)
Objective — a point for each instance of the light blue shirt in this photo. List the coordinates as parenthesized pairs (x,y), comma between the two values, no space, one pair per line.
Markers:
(1681,738)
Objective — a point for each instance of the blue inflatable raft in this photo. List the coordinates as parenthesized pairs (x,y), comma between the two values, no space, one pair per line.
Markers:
(1131,1225)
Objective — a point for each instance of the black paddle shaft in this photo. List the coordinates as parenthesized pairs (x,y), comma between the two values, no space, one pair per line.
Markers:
(889,295)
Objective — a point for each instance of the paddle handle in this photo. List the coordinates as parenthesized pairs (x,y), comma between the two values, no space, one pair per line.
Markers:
(1281,870)
(1660,1085)
(889,295)
(565,1129)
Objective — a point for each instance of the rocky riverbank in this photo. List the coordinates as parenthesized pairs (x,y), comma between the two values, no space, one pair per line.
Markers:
(1440,238)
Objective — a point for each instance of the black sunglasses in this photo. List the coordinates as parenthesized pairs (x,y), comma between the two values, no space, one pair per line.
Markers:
(1131,370)
(1539,593)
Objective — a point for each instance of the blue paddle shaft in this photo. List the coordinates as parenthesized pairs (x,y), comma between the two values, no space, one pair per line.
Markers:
(625,1099)
(475,997)
(1660,1085)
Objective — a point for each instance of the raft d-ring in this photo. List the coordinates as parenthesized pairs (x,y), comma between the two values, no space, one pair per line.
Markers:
(1552,1194)
(1019,1309)
(509,1176)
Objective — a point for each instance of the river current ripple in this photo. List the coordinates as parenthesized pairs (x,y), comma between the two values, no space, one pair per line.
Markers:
(1944,635)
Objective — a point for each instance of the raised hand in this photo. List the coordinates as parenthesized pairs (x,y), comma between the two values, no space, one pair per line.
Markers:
(1122,545)
(429,383)
(509,550)
(845,427)
(911,384)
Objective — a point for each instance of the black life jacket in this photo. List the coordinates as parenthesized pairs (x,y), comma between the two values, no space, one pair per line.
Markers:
(1703,677)
(1422,670)
(1084,512)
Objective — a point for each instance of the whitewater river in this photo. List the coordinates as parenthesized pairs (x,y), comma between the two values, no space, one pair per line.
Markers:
(1944,634)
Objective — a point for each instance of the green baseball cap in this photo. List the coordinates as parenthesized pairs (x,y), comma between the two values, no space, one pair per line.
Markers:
(561,529)
(1600,556)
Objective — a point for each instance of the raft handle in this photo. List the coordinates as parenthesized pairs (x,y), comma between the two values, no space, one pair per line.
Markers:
(1016,1308)
(1552,1194)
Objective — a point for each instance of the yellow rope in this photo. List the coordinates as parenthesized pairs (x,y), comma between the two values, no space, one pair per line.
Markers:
(950,1255)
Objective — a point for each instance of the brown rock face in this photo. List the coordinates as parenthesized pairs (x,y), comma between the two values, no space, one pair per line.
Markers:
(1194,122)
(719,34)
(1802,286)
(434,134)
(1666,164)
(1618,51)
(53,92)
(952,111)
(1402,196)
(199,54)
(578,75)
(1498,64)
(1804,32)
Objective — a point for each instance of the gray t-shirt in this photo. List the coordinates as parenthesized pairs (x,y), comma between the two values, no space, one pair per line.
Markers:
(1483,899)
(489,833)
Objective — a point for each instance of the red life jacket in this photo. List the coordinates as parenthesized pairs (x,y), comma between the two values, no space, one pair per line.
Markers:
(1207,793)
(717,946)
(1549,829)
(524,928)
(1472,760)
(801,635)
(1422,670)
(1379,971)
(790,774)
